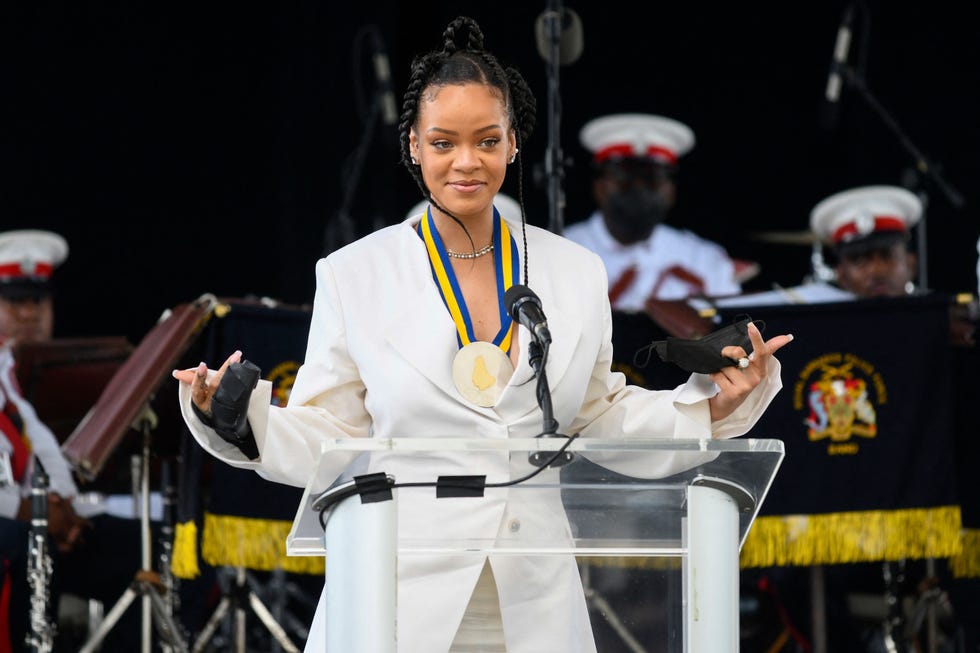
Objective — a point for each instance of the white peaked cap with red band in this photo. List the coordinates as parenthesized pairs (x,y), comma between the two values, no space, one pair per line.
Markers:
(507,206)
(859,212)
(636,135)
(30,255)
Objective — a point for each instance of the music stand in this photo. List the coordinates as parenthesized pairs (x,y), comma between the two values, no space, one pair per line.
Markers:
(62,378)
(122,406)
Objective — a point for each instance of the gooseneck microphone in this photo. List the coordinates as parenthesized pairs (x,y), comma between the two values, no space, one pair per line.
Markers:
(842,48)
(525,308)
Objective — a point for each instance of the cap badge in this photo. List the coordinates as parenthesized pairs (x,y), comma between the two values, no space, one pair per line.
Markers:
(865,223)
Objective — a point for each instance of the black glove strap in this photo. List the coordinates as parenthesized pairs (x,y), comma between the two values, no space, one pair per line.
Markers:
(205,418)
(229,407)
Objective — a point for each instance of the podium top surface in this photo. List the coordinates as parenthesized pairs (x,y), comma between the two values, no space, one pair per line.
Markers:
(617,496)
(409,444)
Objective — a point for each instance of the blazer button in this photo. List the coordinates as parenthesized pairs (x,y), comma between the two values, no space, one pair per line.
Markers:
(515,525)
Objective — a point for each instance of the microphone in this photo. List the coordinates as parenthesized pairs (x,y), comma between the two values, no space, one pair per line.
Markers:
(382,74)
(570,41)
(842,47)
(525,308)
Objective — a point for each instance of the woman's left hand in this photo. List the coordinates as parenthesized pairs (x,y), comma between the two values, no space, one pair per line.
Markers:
(735,383)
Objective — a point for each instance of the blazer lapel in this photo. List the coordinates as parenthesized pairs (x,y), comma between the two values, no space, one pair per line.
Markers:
(423,333)
(421,330)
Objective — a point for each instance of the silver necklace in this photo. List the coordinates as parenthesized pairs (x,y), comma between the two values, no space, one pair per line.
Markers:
(483,251)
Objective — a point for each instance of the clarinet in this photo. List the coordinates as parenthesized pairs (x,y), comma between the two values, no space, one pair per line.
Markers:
(167,578)
(40,636)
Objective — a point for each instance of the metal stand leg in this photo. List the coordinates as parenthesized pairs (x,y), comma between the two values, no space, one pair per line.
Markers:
(893,616)
(818,609)
(239,596)
(147,583)
(600,602)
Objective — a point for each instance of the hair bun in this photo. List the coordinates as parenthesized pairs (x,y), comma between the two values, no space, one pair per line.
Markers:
(474,39)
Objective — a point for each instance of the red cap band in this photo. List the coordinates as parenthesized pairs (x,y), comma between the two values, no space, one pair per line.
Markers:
(15,270)
(882,223)
(626,150)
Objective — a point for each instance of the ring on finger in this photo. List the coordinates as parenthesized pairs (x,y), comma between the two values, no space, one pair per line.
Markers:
(743,362)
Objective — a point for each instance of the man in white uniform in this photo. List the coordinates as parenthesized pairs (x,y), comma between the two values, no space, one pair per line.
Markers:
(92,559)
(866,231)
(27,260)
(635,156)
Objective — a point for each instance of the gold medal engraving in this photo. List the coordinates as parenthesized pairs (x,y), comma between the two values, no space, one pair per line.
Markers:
(482,379)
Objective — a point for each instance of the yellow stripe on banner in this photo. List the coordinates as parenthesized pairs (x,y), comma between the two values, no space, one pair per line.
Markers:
(447,289)
(860,536)
(505,256)
(183,561)
(967,563)
(252,543)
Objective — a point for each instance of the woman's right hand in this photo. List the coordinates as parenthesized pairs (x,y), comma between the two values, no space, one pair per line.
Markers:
(202,389)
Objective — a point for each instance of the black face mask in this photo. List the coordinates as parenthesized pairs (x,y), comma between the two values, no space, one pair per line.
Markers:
(632,214)
(701,355)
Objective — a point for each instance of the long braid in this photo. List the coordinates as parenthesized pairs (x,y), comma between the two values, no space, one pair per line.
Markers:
(523,106)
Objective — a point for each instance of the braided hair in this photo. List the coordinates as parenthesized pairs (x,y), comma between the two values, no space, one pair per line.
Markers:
(467,64)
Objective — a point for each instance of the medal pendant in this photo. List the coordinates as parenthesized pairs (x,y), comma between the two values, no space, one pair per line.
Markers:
(481,371)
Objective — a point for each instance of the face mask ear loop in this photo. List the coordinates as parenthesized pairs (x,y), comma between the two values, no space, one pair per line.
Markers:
(643,354)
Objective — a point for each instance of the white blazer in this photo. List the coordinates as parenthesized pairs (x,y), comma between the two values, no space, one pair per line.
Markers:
(379,364)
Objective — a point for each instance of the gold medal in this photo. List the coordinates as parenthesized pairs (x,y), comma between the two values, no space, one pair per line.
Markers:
(481,371)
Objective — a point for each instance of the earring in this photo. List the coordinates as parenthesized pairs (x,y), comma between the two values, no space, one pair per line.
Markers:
(513,157)
(414,161)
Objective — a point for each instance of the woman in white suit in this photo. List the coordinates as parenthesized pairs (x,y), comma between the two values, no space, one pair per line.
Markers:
(410,336)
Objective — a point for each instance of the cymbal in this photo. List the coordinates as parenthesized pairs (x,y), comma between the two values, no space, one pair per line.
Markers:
(806,237)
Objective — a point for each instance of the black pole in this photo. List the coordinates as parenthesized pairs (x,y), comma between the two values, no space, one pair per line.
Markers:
(340,230)
(923,165)
(554,159)
(537,354)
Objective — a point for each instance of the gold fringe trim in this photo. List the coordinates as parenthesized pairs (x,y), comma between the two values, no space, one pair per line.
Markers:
(860,536)
(795,540)
(252,543)
(967,563)
(183,563)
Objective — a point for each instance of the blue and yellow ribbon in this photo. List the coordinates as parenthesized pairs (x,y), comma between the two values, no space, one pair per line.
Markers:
(442,272)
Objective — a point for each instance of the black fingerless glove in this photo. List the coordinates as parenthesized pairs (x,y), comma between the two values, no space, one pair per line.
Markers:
(229,407)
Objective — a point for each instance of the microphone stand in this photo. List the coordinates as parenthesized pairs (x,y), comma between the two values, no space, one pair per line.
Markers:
(922,164)
(554,160)
(537,356)
(340,230)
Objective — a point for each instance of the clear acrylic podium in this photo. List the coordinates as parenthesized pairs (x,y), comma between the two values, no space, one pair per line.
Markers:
(660,508)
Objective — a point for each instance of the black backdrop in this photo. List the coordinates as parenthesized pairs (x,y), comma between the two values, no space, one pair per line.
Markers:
(184,150)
